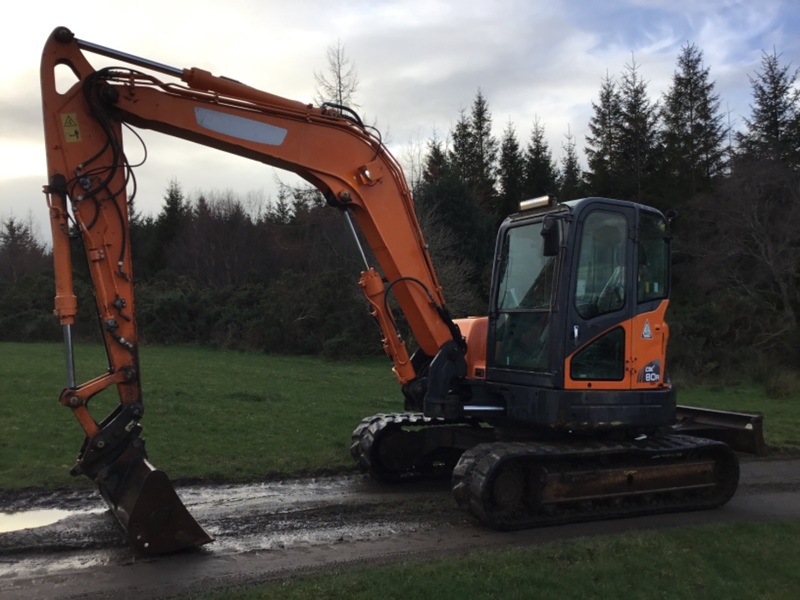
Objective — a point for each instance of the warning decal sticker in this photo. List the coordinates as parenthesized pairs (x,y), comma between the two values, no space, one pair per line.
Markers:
(69,121)
(647,334)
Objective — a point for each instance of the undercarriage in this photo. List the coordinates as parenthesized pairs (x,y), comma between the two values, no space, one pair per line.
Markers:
(517,484)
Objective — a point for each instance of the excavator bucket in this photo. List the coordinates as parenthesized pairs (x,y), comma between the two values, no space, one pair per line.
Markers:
(150,511)
(743,432)
(140,496)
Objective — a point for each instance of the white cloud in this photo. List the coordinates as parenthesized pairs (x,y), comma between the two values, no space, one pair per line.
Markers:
(419,62)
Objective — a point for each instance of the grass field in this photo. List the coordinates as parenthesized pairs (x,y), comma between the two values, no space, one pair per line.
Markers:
(230,416)
(208,414)
(218,415)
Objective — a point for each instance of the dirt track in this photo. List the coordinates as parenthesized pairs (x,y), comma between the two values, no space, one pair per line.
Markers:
(279,529)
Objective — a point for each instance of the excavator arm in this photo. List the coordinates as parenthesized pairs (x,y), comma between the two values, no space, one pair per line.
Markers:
(88,177)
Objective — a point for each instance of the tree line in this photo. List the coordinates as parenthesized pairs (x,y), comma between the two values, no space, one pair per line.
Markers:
(282,277)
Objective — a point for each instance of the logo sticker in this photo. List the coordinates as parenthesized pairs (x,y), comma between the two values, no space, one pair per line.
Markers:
(651,373)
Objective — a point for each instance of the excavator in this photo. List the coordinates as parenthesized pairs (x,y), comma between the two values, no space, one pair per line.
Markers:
(555,406)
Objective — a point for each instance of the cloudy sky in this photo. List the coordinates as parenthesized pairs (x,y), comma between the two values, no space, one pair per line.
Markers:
(419,63)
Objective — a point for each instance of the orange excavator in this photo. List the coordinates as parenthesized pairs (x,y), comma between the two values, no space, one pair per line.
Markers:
(554,407)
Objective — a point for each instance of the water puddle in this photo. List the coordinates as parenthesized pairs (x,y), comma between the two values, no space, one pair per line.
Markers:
(31,519)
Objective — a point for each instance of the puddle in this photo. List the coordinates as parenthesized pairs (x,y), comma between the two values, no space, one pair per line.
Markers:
(28,519)
(31,519)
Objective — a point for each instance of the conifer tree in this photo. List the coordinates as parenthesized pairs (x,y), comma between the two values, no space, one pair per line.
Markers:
(435,161)
(510,172)
(603,142)
(638,144)
(541,175)
(773,130)
(167,226)
(473,154)
(461,153)
(485,152)
(20,252)
(693,132)
(571,184)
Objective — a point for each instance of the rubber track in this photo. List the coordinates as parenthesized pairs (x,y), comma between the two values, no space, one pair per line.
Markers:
(369,434)
(475,473)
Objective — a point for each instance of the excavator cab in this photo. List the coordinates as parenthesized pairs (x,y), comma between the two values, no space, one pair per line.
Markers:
(578,300)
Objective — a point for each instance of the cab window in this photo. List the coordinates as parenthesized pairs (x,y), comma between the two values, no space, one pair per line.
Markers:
(653,258)
(600,280)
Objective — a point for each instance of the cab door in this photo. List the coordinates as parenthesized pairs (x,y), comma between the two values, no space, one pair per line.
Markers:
(600,305)
(616,330)
(649,330)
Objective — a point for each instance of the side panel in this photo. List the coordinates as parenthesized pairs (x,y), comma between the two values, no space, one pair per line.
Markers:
(649,336)
(474,330)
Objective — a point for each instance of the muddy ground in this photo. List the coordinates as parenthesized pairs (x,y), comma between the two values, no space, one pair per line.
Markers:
(71,546)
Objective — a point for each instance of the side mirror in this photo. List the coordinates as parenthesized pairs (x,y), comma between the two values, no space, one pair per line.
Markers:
(551,233)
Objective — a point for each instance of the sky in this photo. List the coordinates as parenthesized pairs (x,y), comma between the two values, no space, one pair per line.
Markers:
(419,63)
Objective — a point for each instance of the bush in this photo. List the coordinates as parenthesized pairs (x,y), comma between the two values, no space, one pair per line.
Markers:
(26,310)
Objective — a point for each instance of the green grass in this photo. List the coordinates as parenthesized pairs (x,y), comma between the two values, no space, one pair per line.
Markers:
(741,561)
(208,414)
(781,415)
(220,415)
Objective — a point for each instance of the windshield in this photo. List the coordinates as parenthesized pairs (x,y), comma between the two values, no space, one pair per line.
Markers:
(524,297)
(526,281)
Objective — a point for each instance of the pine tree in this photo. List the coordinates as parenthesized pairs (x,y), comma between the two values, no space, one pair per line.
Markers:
(541,175)
(461,154)
(452,219)
(485,154)
(511,172)
(693,134)
(20,253)
(173,213)
(436,163)
(473,154)
(174,216)
(638,145)
(571,184)
(773,130)
(603,142)
(749,247)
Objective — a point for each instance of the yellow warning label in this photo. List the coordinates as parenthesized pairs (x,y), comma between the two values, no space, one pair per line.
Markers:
(69,121)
